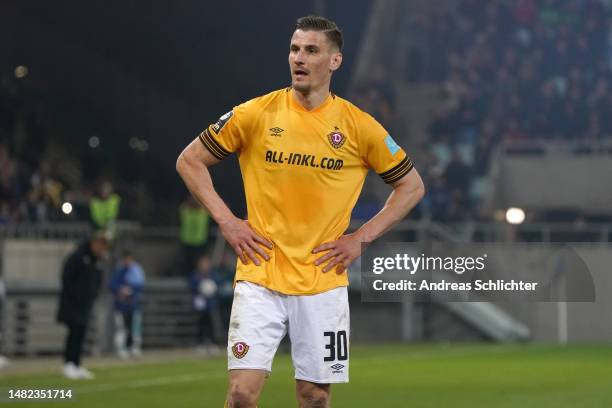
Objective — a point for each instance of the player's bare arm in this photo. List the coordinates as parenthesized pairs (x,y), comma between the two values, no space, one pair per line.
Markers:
(406,194)
(192,165)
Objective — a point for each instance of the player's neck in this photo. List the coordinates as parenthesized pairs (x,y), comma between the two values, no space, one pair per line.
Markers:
(312,99)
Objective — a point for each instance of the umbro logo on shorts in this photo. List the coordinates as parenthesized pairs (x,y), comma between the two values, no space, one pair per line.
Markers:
(240,349)
(337,367)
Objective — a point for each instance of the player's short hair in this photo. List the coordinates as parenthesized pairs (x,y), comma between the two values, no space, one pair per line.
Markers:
(318,23)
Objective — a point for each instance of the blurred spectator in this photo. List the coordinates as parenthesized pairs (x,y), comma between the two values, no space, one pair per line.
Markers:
(442,153)
(81,281)
(5,213)
(224,274)
(3,360)
(438,198)
(43,179)
(204,285)
(458,174)
(7,174)
(195,222)
(377,96)
(43,202)
(367,207)
(104,207)
(126,285)
(10,187)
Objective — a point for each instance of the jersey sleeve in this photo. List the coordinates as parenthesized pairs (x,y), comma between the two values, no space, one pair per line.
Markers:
(382,153)
(228,134)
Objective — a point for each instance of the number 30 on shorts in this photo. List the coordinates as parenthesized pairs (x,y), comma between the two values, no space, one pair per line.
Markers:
(337,345)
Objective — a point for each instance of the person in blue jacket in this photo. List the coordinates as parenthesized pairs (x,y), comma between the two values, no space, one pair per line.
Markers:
(204,286)
(127,284)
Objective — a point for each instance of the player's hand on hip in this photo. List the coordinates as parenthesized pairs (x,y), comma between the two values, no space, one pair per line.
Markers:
(246,243)
(340,253)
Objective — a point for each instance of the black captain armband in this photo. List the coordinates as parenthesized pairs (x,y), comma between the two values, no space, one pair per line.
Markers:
(397,172)
(212,145)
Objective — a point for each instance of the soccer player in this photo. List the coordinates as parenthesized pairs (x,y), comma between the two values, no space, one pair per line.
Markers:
(304,154)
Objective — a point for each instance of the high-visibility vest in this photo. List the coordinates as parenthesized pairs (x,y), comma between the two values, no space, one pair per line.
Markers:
(104,212)
(194,226)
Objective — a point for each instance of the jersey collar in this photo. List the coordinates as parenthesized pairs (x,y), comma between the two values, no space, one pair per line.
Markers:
(295,105)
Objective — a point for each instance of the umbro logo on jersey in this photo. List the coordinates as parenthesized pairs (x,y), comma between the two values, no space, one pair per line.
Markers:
(276,131)
(337,366)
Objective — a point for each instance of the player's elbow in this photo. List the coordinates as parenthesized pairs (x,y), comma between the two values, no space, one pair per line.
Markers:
(412,187)
(180,163)
(184,160)
(419,190)
(417,187)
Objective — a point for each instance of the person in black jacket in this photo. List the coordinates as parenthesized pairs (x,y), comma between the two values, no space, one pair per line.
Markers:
(81,281)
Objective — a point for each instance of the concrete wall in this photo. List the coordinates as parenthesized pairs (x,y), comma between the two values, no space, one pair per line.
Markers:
(37,262)
(558,181)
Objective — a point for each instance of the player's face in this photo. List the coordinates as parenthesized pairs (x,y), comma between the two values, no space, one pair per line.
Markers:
(312,59)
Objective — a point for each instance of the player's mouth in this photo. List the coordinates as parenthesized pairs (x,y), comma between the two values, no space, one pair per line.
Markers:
(300,73)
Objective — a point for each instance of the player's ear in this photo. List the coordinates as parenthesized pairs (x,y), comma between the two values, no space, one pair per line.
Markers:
(336,61)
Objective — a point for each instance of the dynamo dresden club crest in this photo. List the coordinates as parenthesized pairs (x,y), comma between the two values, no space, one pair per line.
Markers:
(336,139)
(240,349)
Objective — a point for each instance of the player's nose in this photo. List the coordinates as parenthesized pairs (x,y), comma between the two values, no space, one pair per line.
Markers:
(299,58)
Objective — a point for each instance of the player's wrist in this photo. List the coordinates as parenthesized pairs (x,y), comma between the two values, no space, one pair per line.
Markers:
(226,218)
(364,236)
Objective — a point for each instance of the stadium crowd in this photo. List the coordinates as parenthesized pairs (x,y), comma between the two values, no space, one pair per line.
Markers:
(512,71)
(537,69)
(29,194)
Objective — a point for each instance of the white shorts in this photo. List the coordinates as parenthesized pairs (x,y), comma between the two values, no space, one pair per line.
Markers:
(318,327)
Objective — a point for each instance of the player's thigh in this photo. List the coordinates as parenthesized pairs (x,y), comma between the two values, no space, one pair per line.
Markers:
(258,323)
(319,327)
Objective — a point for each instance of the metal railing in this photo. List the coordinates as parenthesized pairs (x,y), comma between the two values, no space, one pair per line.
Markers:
(502,232)
(451,231)
(59,230)
(29,326)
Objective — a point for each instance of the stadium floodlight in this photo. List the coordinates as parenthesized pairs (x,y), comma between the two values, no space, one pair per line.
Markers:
(515,215)
(66,208)
(21,71)
(94,142)
(139,145)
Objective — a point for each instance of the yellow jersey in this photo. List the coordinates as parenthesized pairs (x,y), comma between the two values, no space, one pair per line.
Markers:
(303,171)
